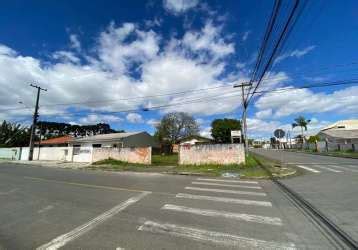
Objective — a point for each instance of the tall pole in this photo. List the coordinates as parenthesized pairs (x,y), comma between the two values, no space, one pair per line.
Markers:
(34,121)
(244,114)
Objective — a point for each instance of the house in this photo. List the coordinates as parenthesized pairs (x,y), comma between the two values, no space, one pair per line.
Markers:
(62,141)
(341,132)
(114,140)
(342,135)
(191,140)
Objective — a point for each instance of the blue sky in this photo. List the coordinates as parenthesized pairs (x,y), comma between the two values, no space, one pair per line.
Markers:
(102,54)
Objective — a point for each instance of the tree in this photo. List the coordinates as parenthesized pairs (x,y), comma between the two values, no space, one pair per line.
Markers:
(13,135)
(301,122)
(313,138)
(221,129)
(175,126)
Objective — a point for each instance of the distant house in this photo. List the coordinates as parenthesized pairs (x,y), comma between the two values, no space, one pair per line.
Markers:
(62,141)
(341,132)
(191,140)
(120,140)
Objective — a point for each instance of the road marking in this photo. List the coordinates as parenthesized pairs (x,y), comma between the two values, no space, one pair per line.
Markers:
(202,235)
(49,207)
(224,185)
(223,199)
(328,169)
(9,192)
(214,213)
(225,191)
(62,240)
(309,169)
(344,168)
(228,181)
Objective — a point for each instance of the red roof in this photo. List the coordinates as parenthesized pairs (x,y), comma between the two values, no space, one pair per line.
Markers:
(58,140)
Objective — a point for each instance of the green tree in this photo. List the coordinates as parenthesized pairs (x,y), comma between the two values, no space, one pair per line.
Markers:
(221,129)
(174,126)
(13,135)
(301,122)
(313,138)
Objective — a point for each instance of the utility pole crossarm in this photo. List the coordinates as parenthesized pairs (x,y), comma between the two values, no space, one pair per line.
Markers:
(34,120)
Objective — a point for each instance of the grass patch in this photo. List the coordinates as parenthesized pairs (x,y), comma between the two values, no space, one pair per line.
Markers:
(168,164)
(165,160)
(274,168)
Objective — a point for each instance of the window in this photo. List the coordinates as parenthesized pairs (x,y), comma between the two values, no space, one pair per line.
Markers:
(96,145)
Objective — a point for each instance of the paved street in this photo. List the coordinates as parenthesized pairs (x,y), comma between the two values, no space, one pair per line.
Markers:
(329,183)
(48,208)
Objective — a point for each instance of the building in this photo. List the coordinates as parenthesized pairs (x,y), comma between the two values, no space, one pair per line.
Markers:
(191,140)
(342,135)
(114,140)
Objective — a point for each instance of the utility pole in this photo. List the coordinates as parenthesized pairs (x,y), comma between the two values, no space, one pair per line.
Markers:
(34,121)
(244,105)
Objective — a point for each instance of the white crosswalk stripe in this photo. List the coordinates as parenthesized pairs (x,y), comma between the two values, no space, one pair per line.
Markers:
(224,185)
(328,169)
(225,191)
(344,168)
(228,181)
(308,168)
(219,238)
(224,199)
(214,213)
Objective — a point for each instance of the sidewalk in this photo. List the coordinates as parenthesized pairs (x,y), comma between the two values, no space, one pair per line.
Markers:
(51,164)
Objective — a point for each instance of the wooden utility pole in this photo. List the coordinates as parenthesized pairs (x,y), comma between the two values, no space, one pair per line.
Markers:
(244,114)
(34,121)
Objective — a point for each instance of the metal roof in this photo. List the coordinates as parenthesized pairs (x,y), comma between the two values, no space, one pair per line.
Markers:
(105,137)
(344,124)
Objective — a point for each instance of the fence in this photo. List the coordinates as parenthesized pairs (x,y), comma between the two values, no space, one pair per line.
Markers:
(80,154)
(131,155)
(211,154)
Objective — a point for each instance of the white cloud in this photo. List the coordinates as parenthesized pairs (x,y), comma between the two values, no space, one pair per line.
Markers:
(210,40)
(134,118)
(153,122)
(206,132)
(66,56)
(95,118)
(299,101)
(75,43)
(179,6)
(295,53)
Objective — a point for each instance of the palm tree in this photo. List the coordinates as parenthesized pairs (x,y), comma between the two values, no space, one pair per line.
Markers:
(301,122)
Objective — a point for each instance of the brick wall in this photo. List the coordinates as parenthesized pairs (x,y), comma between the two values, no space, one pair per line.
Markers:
(131,155)
(212,154)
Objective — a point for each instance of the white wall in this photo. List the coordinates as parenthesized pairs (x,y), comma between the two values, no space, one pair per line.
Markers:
(85,155)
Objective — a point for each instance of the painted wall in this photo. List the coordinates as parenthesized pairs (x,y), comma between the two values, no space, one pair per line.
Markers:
(132,155)
(10,153)
(212,154)
(84,154)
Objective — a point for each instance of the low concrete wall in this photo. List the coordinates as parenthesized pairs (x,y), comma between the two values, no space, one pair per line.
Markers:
(10,153)
(212,154)
(131,155)
(82,154)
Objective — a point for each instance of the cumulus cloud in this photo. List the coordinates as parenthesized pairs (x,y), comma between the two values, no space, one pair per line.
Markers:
(96,118)
(153,122)
(179,6)
(134,118)
(298,101)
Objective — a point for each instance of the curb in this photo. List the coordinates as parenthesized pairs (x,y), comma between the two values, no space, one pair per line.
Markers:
(337,156)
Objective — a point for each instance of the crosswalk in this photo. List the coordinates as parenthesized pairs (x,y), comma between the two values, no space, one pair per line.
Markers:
(327,168)
(214,204)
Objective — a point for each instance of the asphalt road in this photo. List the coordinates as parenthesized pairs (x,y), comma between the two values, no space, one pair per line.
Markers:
(46,208)
(329,183)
